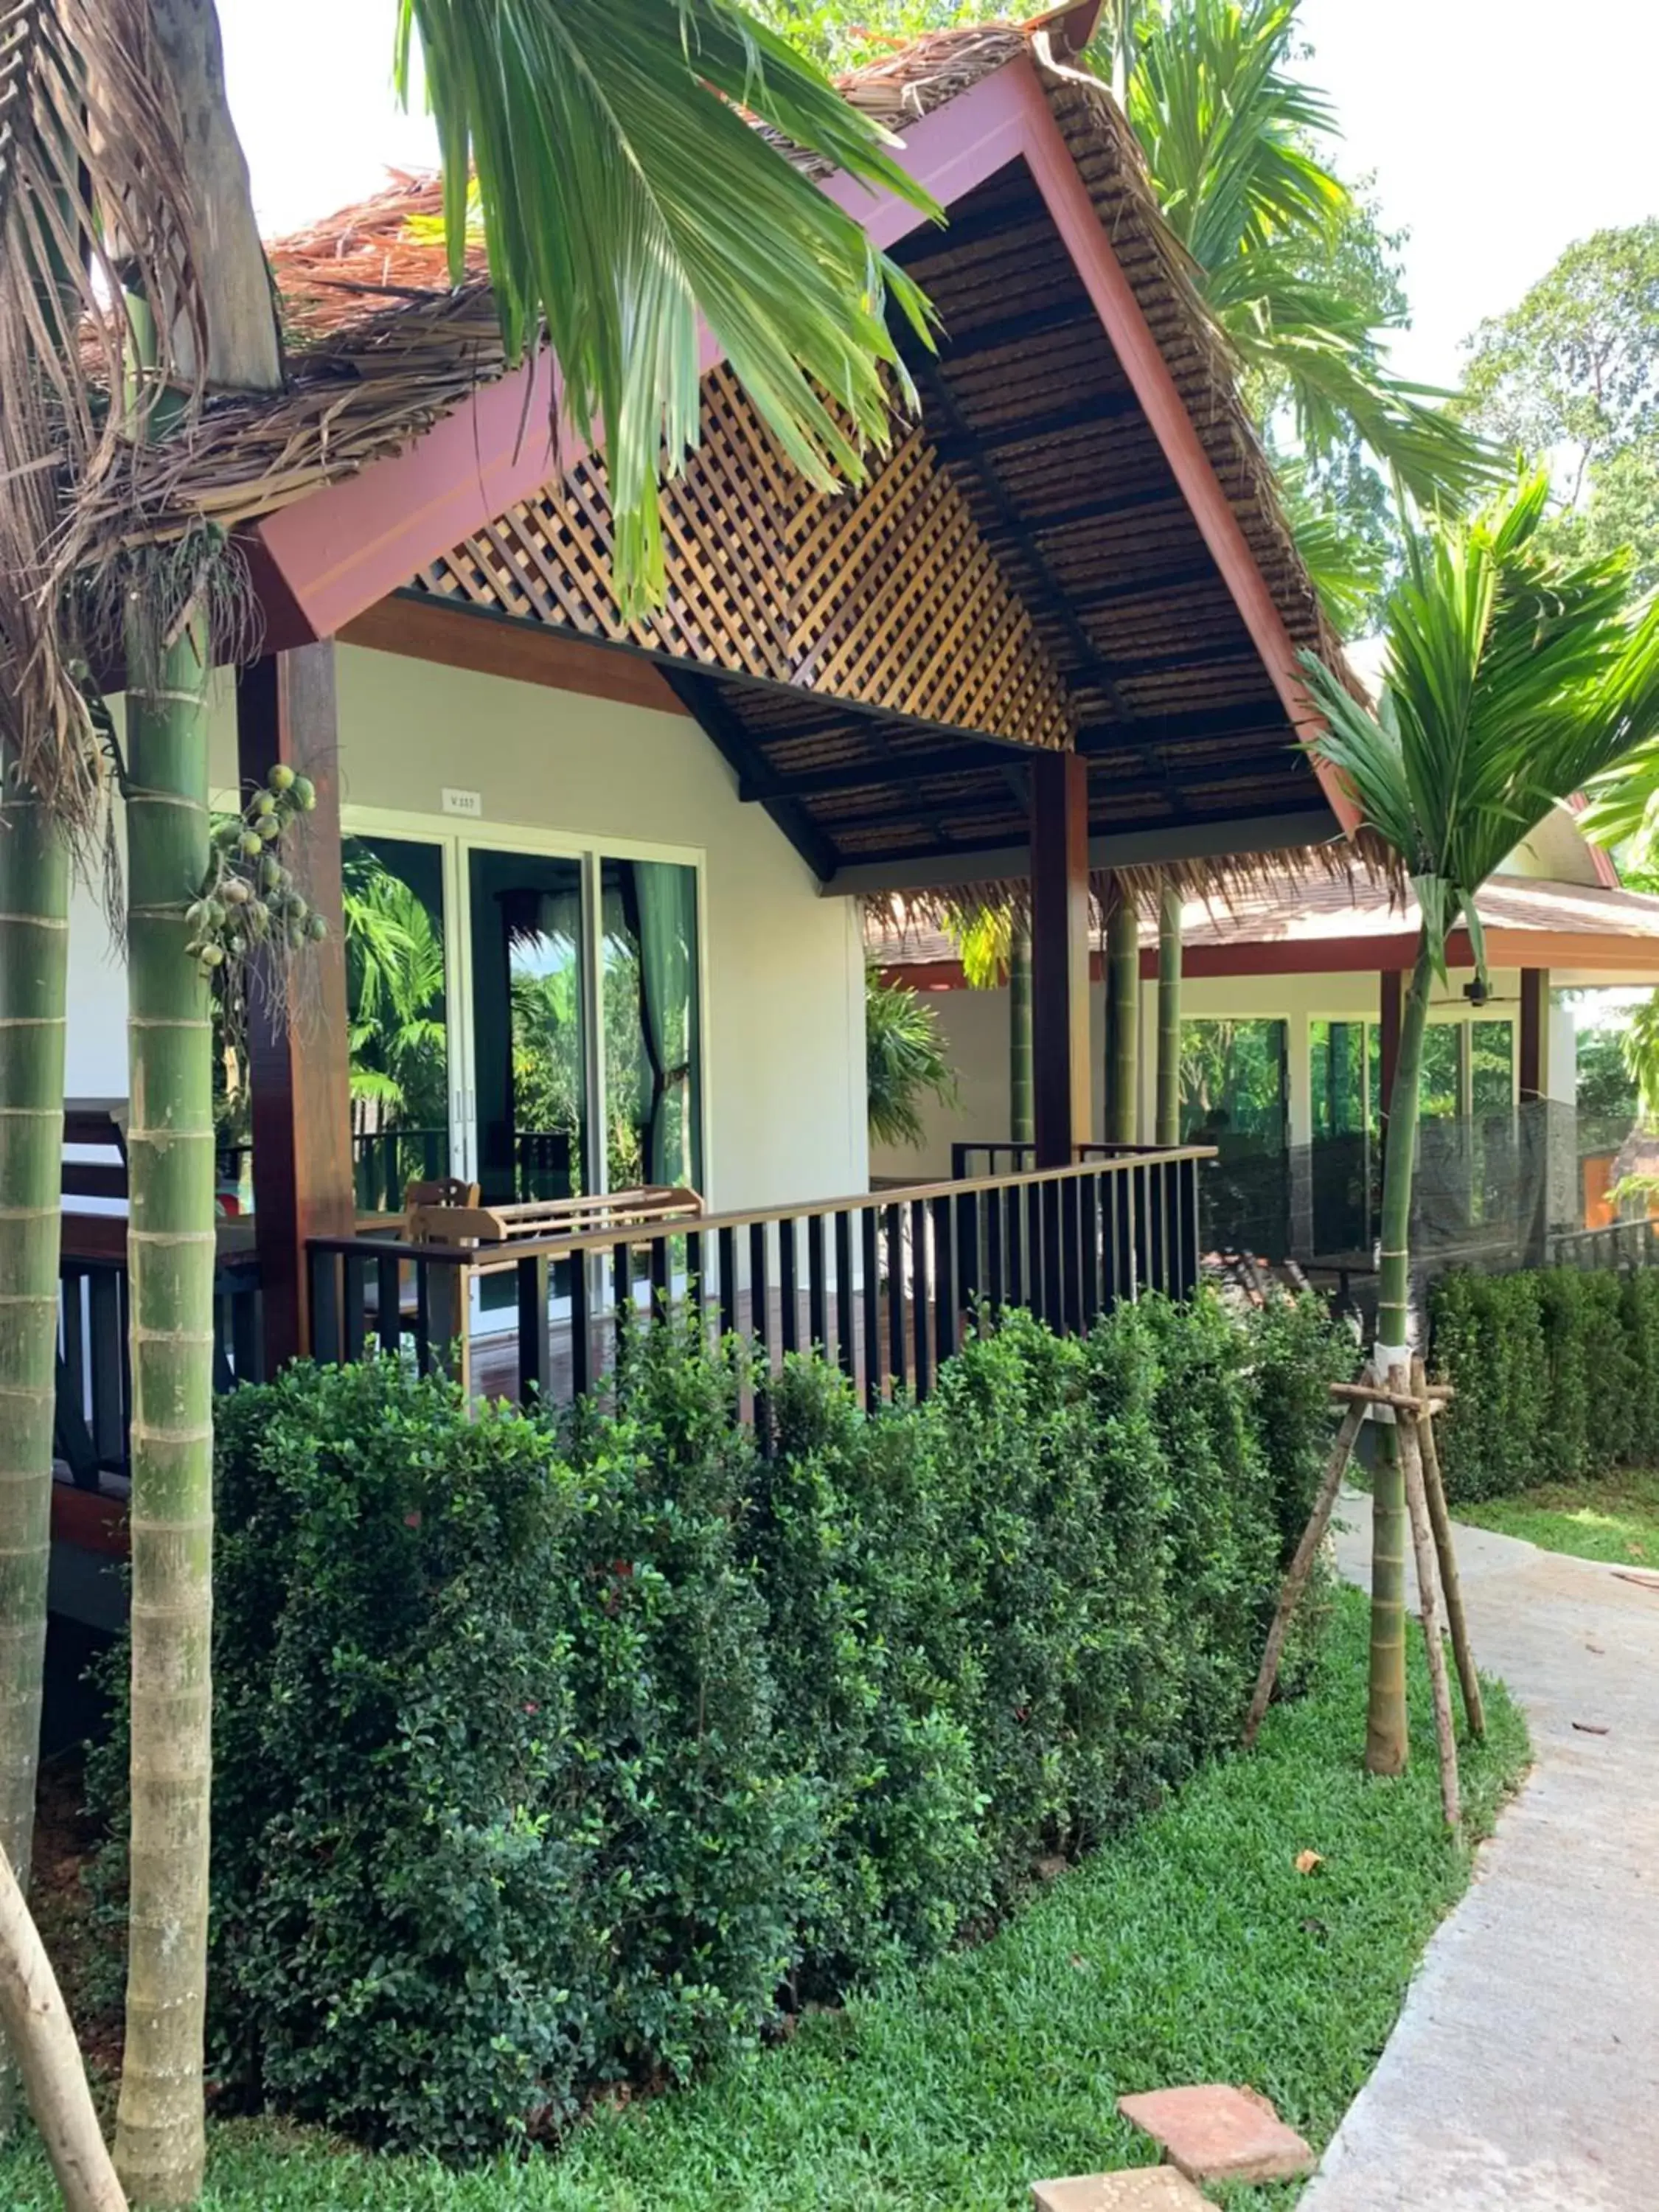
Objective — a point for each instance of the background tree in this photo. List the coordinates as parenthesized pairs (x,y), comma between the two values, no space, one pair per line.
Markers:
(1515,675)
(1572,376)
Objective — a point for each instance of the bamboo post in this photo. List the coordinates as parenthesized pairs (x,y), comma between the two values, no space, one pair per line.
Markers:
(1168,1129)
(42,2042)
(1474,1711)
(1411,1460)
(1297,1575)
(1020,1125)
(1122,1016)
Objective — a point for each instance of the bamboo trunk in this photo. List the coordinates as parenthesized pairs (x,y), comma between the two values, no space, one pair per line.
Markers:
(1022,1121)
(1122,1018)
(34,973)
(1387,1737)
(159,2141)
(1169,1014)
(38,2029)
(1423,1545)
(1451,1586)
(1300,1567)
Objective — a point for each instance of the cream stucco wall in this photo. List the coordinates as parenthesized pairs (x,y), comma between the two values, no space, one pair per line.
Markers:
(783,967)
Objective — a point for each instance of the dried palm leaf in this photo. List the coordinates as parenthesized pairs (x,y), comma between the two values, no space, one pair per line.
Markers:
(94,201)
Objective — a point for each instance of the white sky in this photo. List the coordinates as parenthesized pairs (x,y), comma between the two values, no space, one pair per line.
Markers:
(1499,130)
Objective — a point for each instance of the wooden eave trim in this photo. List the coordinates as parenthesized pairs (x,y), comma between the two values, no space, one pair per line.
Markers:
(1077,222)
(524,652)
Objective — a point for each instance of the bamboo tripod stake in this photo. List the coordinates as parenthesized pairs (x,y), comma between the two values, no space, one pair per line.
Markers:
(1302,1566)
(1451,1587)
(1417,1508)
(1410,1400)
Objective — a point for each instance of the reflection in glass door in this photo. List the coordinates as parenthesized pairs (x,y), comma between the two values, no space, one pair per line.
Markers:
(529,1070)
(397,1014)
(652,1077)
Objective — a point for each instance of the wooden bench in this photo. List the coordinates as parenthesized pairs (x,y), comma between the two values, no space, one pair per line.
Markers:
(451,1214)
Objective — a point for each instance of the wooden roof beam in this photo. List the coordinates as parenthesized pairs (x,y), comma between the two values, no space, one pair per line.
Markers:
(1036,429)
(770,781)
(934,384)
(731,741)
(1265,715)
(1273,830)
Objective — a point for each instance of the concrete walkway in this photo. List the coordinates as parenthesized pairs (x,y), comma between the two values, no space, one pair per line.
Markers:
(1524,2072)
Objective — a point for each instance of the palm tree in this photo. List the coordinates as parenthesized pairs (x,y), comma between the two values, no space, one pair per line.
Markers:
(623,191)
(1514,678)
(1228,135)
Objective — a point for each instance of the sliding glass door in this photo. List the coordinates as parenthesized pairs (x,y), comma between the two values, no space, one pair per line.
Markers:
(526,1019)
(652,1073)
(528,1027)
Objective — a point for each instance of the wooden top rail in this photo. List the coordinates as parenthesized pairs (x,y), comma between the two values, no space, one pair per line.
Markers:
(527,1220)
(710,1225)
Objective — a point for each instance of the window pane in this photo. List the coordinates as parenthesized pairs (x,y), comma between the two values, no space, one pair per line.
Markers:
(653,1058)
(1338,1051)
(1437,1090)
(1233,1096)
(1493,1047)
(527,1026)
(393,901)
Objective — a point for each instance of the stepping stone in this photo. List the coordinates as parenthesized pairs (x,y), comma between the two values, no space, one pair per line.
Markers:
(1141,2189)
(1213,2132)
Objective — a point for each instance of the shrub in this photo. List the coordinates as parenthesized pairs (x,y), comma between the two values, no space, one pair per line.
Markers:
(549,1756)
(1556,1372)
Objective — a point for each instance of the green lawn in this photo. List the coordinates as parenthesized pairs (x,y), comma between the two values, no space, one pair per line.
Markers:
(1192,1949)
(1616,1516)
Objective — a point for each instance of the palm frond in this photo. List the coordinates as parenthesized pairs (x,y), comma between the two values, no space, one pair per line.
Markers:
(95,214)
(983,936)
(1226,127)
(623,188)
(1514,678)
(1230,136)
(1303,334)
(905,1061)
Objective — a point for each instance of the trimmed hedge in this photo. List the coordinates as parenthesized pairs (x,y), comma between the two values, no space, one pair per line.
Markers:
(1557,1376)
(548,1758)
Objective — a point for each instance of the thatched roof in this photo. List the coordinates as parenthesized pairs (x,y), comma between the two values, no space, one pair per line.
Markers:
(1134,648)
(1288,919)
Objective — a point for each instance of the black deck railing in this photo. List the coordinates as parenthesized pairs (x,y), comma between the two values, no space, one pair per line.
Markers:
(94,1410)
(885,1283)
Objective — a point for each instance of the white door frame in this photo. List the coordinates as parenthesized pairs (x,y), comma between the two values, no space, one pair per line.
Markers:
(456,843)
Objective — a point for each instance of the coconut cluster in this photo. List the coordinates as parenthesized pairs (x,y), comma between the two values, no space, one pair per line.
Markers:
(248,897)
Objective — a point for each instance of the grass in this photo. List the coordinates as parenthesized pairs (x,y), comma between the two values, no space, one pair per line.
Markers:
(1612,1516)
(1191,1949)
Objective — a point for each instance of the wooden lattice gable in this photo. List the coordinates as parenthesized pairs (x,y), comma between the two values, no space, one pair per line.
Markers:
(890,598)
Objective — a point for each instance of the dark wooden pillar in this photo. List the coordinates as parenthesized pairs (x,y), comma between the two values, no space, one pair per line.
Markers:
(1061,1060)
(1392,1007)
(298,1062)
(1534,1029)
